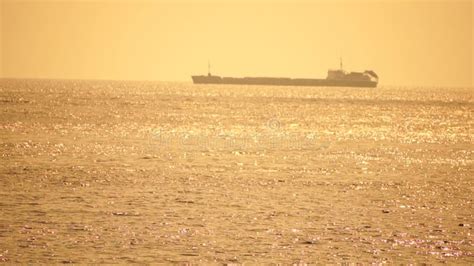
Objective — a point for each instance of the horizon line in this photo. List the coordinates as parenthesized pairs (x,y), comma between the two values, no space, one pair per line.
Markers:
(190,81)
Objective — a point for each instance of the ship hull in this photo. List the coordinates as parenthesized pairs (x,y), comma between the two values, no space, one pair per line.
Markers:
(283,81)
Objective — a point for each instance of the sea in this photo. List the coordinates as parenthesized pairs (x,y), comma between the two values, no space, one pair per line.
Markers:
(172,172)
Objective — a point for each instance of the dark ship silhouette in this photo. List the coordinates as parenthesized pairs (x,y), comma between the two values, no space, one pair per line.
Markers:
(339,78)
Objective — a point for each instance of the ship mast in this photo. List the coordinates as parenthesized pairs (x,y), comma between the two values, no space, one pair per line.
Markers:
(340,62)
(208,68)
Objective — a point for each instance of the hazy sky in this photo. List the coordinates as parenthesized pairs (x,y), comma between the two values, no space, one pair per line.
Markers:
(406,42)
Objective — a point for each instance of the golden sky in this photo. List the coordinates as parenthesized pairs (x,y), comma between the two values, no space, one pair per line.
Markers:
(406,42)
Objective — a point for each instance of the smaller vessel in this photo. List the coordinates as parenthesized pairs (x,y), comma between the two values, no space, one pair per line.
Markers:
(335,78)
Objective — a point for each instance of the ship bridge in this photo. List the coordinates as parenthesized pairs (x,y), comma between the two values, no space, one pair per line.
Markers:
(340,74)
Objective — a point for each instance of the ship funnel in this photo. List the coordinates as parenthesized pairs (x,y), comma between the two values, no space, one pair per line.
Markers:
(372,74)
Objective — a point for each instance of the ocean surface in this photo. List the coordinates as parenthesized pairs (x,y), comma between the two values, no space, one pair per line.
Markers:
(121,172)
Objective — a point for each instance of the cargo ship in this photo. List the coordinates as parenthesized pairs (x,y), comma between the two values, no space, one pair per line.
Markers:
(335,78)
